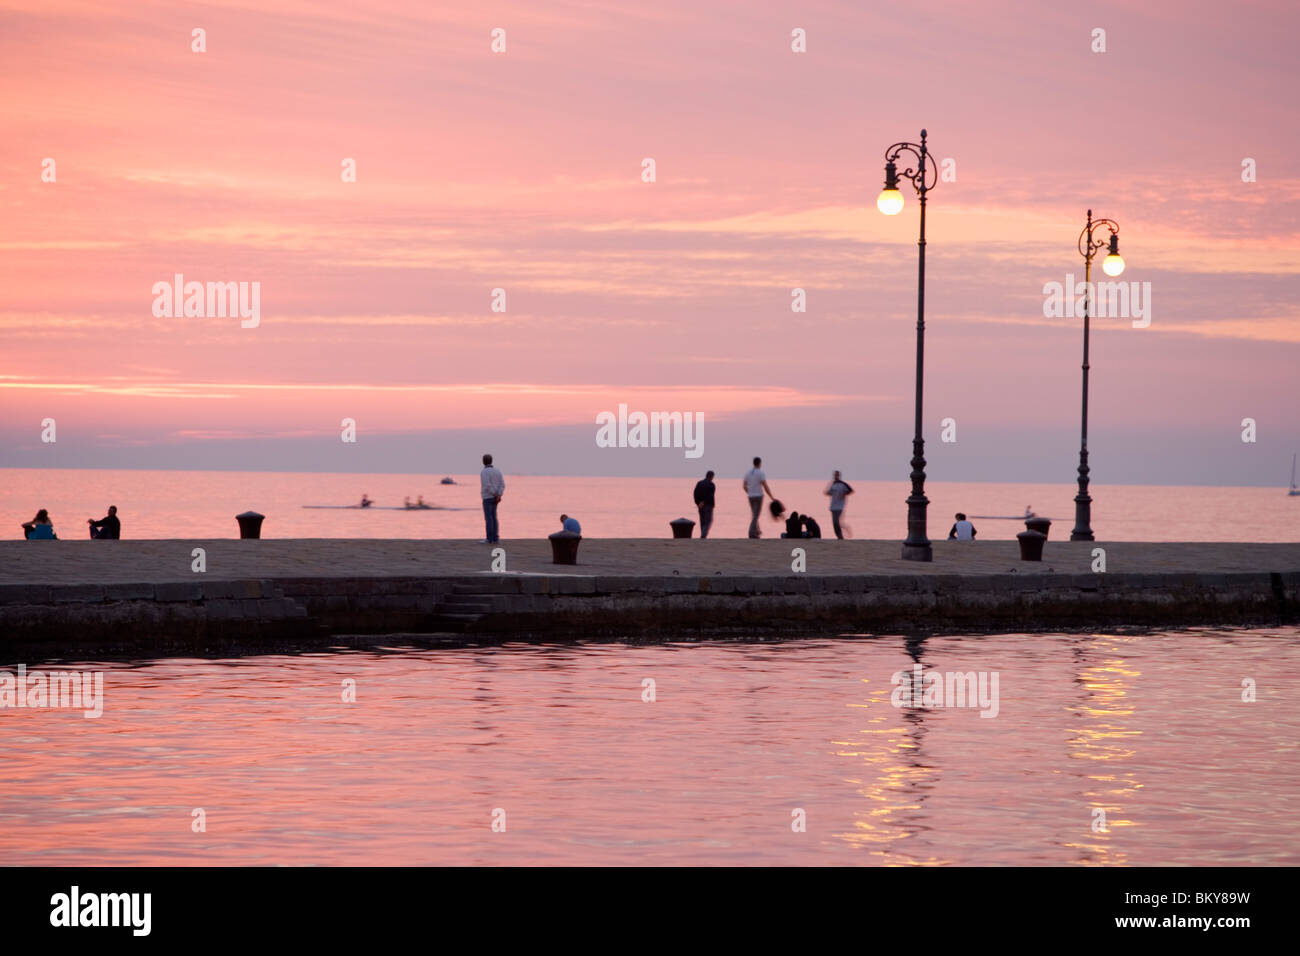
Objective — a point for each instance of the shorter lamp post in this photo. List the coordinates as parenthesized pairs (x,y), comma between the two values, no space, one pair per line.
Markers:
(1112,265)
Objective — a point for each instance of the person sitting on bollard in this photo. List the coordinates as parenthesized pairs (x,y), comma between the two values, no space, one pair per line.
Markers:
(570,524)
(963,530)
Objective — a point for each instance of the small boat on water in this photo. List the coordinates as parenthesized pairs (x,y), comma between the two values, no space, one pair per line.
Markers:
(368,503)
(1294,490)
(412,507)
(447,481)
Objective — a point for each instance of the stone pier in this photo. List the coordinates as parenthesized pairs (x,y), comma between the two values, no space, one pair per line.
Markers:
(70,598)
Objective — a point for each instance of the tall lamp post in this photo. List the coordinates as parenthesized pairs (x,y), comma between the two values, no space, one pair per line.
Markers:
(890,202)
(1112,265)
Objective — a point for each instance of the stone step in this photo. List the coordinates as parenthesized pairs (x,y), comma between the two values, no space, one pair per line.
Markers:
(463,605)
(480,587)
(458,622)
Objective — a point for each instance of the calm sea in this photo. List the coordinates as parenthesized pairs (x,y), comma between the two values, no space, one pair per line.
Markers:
(1106,749)
(170,504)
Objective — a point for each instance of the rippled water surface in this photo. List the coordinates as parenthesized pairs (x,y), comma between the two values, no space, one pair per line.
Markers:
(1151,729)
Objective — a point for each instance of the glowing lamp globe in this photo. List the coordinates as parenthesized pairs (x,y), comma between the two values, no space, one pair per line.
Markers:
(1113,264)
(890,202)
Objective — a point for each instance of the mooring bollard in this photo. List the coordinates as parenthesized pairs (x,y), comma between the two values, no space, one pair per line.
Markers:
(1031,545)
(1038,524)
(564,547)
(682,527)
(250,524)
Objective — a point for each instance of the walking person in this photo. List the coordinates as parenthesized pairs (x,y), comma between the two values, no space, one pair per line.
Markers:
(838,489)
(493,487)
(705,489)
(107,527)
(755,483)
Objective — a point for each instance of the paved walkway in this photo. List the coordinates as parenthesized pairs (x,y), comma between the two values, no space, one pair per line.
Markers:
(115,562)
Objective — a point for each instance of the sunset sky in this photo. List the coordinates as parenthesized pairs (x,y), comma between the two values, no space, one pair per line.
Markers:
(521,170)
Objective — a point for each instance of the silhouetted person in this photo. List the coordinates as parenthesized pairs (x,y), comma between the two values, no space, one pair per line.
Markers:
(493,486)
(811,529)
(838,490)
(40,528)
(755,483)
(963,530)
(793,526)
(107,526)
(705,490)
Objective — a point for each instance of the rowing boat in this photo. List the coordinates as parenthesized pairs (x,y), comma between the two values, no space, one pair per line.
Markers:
(385,508)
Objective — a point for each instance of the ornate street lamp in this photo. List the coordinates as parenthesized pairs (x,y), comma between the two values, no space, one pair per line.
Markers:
(1112,265)
(890,202)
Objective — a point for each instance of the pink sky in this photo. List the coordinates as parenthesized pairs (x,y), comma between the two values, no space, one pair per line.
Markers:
(522,171)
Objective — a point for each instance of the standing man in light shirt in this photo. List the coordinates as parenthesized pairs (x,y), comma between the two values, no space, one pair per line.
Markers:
(838,489)
(493,486)
(755,485)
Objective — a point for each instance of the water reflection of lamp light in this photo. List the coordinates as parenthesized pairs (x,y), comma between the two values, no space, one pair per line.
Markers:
(1105,699)
(903,778)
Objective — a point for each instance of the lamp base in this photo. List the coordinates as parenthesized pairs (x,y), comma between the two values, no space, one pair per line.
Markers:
(917,552)
(1082,517)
